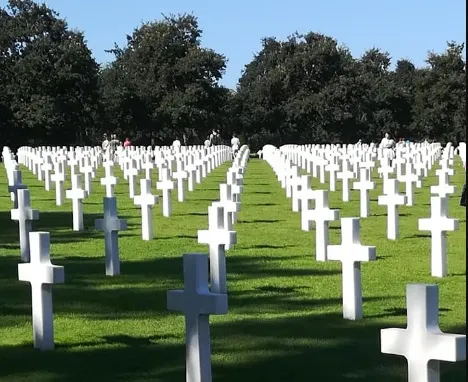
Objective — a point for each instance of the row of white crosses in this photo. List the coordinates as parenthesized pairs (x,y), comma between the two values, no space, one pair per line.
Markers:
(422,343)
(351,253)
(36,267)
(84,162)
(205,293)
(298,188)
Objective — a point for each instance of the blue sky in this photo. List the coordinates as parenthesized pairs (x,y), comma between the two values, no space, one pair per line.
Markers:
(404,28)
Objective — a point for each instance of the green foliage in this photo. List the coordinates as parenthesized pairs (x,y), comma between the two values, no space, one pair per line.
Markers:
(163,84)
(49,79)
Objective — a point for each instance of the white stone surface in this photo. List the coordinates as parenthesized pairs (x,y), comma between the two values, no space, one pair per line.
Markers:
(321,215)
(218,237)
(41,274)
(351,253)
(77,194)
(422,343)
(392,200)
(24,214)
(196,302)
(146,200)
(438,224)
(111,225)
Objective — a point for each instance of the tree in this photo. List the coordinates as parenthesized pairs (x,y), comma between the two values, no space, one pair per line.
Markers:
(50,77)
(163,84)
(440,100)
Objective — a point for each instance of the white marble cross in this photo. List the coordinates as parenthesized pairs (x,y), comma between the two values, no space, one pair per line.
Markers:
(146,200)
(42,274)
(111,225)
(180,175)
(345,175)
(24,214)
(351,253)
(218,238)
(321,215)
(438,224)
(17,185)
(196,302)
(422,343)
(58,177)
(364,185)
(109,180)
(410,178)
(77,194)
(227,201)
(392,200)
(166,185)
(88,173)
(443,188)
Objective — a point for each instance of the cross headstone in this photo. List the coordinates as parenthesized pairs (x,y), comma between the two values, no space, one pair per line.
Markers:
(422,343)
(166,185)
(196,302)
(321,215)
(42,274)
(109,180)
(364,185)
(443,188)
(111,225)
(24,214)
(392,200)
(218,238)
(438,224)
(58,178)
(351,253)
(146,200)
(77,194)
(17,185)
(345,175)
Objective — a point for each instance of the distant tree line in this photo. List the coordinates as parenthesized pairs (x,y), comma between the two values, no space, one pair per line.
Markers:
(164,85)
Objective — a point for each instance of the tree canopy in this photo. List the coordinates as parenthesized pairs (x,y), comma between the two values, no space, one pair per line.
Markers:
(164,84)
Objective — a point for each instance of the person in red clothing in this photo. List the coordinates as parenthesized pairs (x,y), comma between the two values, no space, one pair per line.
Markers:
(127,142)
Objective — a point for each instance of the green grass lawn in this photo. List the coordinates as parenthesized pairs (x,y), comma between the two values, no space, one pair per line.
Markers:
(285,321)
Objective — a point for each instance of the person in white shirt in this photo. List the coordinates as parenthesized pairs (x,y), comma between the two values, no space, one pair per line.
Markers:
(207,143)
(105,143)
(235,143)
(387,145)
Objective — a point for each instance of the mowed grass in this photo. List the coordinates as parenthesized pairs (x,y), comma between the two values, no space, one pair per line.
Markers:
(285,319)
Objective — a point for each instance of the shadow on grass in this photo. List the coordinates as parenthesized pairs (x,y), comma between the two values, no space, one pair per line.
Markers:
(260,221)
(58,223)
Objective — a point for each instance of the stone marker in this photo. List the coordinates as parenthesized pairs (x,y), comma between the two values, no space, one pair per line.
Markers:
(422,343)
(392,200)
(109,180)
(438,224)
(24,214)
(351,253)
(146,200)
(364,185)
(322,215)
(77,194)
(166,185)
(197,303)
(42,274)
(218,238)
(17,185)
(111,225)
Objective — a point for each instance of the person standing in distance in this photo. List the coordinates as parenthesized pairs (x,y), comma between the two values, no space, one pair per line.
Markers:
(387,144)
(105,143)
(235,143)
(127,142)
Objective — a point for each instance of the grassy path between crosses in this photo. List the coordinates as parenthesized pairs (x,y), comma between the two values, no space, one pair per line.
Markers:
(284,321)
